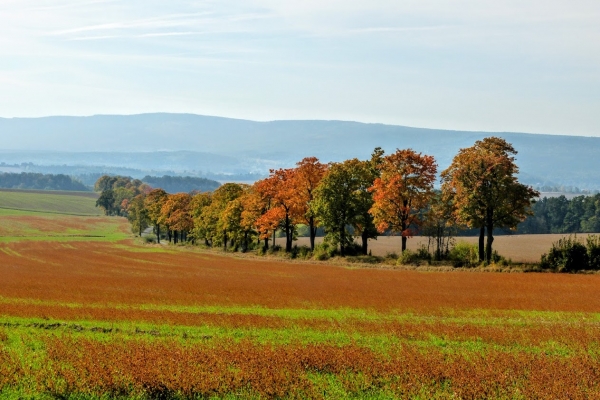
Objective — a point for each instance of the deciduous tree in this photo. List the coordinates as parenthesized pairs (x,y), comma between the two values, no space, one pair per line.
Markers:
(340,199)
(307,176)
(280,188)
(483,183)
(402,191)
(153,203)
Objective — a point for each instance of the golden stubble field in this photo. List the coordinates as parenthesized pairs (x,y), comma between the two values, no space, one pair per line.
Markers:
(519,248)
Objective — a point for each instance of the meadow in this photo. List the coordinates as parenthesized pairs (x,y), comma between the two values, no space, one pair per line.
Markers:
(109,317)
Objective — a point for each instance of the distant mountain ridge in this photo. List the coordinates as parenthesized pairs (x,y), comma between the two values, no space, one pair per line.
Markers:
(181,142)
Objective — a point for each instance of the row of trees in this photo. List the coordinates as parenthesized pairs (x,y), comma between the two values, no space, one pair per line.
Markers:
(30,180)
(351,199)
(580,214)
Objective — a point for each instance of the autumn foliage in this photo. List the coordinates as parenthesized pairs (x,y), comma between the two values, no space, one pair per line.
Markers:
(389,194)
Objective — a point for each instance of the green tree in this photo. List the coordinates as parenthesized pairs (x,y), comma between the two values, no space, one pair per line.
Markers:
(341,199)
(137,214)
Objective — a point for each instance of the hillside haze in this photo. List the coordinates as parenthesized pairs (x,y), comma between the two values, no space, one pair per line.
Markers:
(186,142)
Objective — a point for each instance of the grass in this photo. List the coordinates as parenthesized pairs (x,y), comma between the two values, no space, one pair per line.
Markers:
(72,203)
(56,217)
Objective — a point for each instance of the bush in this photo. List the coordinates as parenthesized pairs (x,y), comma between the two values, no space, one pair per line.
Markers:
(464,254)
(324,251)
(149,239)
(567,255)
(593,249)
(274,249)
(408,258)
(302,252)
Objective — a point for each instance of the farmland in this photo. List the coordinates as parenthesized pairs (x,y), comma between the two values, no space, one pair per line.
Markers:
(519,248)
(93,317)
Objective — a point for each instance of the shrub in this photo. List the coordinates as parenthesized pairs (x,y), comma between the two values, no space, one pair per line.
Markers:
(274,249)
(566,255)
(464,254)
(593,249)
(302,252)
(149,239)
(324,251)
(423,253)
(408,258)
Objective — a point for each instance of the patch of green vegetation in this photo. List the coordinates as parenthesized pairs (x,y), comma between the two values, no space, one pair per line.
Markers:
(47,203)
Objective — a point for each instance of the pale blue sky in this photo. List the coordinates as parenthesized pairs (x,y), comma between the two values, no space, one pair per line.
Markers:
(496,65)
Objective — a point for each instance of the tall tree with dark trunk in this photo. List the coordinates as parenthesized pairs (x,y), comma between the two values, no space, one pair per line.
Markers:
(342,200)
(483,184)
(307,176)
(285,206)
(153,203)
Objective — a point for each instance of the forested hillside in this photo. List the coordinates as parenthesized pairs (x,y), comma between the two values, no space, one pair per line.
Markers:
(561,215)
(36,181)
(177,184)
(185,142)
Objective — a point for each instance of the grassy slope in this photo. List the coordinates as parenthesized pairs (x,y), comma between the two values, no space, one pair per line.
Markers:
(56,215)
(74,203)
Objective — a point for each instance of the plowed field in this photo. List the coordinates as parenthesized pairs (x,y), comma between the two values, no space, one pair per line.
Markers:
(86,319)
(85,313)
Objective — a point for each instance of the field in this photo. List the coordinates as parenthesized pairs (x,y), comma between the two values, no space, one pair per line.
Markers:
(76,203)
(111,318)
(519,248)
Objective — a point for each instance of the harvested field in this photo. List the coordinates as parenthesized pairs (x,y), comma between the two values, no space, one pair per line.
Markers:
(519,248)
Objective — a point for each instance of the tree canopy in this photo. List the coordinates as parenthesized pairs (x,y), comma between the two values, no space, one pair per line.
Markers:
(482,181)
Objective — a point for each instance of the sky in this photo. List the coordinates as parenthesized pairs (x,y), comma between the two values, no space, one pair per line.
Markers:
(485,65)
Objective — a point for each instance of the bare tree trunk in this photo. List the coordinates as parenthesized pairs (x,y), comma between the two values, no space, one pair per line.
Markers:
(490,236)
(158,233)
(403,225)
(313,232)
(288,234)
(481,244)
(365,242)
(224,240)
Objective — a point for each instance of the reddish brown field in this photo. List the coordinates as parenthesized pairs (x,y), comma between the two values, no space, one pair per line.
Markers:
(67,309)
(105,273)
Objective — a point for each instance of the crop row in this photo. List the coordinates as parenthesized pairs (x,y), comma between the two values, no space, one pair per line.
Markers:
(171,369)
(569,337)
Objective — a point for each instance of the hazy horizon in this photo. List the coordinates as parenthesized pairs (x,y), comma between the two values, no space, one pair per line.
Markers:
(515,66)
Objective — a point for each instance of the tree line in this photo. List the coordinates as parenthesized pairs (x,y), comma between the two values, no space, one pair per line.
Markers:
(392,194)
(580,214)
(38,181)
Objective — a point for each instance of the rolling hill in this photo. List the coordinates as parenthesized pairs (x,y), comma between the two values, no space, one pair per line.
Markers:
(192,143)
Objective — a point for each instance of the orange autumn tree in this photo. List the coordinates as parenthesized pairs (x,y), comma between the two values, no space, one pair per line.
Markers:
(254,206)
(284,212)
(307,176)
(176,214)
(153,203)
(403,189)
